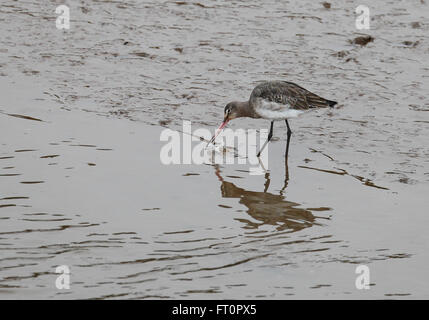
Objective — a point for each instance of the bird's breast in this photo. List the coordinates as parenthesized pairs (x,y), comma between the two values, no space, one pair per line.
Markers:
(275,111)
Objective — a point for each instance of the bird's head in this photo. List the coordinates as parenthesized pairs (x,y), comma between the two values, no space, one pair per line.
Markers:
(230,111)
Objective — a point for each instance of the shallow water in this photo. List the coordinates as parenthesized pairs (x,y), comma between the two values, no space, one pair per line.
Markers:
(82,184)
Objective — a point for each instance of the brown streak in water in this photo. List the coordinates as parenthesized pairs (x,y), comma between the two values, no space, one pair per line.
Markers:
(324,170)
(14,198)
(50,156)
(23,117)
(312,250)
(223,266)
(343,172)
(7,205)
(175,232)
(290,242)
(84,145)
(46,220)
(317,151)
(139,261)
(61,228)
(33,275)
(31,182)
(186,241)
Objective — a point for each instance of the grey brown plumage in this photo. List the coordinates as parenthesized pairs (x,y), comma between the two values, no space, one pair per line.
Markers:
(288,93)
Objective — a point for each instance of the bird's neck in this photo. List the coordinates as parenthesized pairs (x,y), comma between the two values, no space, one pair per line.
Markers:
(243,109)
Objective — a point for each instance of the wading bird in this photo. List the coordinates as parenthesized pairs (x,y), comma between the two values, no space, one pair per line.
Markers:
(274,100)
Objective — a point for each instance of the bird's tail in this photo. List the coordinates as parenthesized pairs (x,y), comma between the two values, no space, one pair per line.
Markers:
(315,101)
(319,102)
(331,103)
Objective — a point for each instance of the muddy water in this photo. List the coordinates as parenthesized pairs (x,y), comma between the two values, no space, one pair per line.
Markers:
(82,185)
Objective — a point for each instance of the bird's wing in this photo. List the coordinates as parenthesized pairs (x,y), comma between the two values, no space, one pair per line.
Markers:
(288,94)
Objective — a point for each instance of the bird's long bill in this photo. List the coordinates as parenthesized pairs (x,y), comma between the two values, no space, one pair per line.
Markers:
(218,131)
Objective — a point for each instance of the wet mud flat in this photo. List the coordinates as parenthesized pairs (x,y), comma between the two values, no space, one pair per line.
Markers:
(100,201)
(82,184)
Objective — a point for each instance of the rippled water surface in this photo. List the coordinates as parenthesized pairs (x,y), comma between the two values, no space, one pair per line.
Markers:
(82,184)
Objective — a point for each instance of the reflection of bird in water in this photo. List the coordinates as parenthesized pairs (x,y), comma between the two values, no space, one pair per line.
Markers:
(269,208)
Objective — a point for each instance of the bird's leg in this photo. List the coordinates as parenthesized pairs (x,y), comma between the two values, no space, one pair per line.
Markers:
(270,135)
(267,181)
(286,178)
(289,133)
